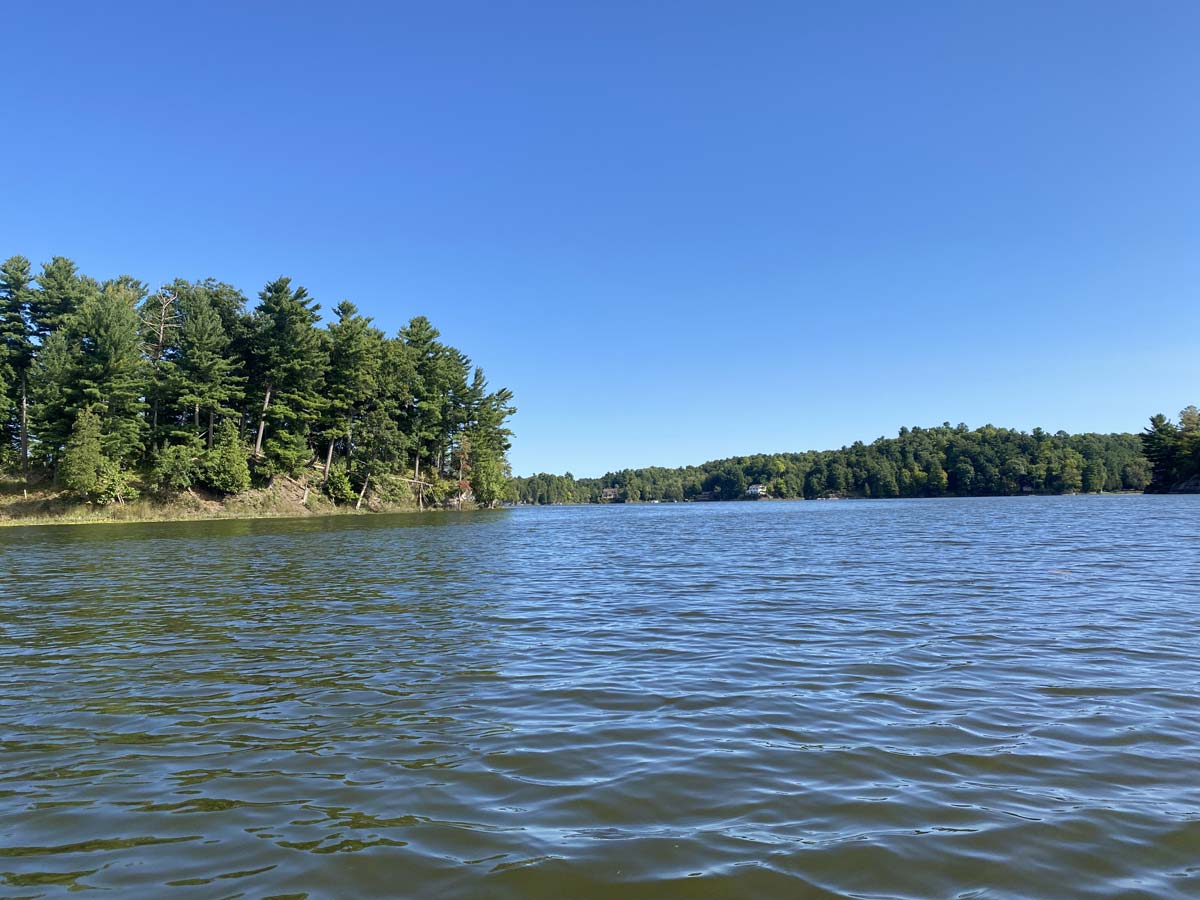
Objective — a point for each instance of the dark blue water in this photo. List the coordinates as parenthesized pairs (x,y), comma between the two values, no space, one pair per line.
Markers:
(901,699)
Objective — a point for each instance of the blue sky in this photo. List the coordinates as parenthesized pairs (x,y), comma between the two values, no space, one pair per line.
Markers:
(678,231)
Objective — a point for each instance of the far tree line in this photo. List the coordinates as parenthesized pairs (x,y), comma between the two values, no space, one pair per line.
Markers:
(108,388)
(945,461)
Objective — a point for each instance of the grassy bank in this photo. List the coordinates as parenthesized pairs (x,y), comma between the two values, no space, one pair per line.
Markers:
(43,504)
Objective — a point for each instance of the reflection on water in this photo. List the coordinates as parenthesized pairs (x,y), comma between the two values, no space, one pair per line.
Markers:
(977,698)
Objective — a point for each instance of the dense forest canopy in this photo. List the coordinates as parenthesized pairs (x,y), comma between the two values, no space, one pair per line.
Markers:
(919,462)
(108,387)
(1174,452)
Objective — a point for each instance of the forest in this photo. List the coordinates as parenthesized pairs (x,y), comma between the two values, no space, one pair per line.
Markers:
(1173,450)
(920,462)
(109,390)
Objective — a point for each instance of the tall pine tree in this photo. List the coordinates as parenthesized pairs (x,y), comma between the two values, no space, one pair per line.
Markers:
(289,357)
(16,349)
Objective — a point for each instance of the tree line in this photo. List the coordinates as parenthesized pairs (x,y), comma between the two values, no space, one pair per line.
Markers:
(110,388)
(1174,452)
(919,462)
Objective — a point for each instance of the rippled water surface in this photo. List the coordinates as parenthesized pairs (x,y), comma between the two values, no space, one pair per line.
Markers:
(917,699)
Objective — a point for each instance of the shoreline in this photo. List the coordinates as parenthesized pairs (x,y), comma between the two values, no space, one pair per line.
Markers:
(65,520)
(251,507)
(22,507)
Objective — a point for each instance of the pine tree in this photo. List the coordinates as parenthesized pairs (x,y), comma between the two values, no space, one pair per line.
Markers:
(289,358)
(423,415)
(83,461)
(1162,443)
(355,363)
(109,369)
(61,294)
(206,378)
(16,350)
(52,411)
(168,374)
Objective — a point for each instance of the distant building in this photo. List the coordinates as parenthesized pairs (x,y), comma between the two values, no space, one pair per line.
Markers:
(610,494)
(704,495)
(756,490)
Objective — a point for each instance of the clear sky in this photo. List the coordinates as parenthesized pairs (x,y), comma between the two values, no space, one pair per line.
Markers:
(678,231)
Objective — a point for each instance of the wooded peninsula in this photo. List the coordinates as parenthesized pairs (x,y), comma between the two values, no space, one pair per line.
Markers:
(186,398)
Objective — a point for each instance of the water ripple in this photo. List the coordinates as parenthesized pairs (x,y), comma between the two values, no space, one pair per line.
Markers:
(901,699)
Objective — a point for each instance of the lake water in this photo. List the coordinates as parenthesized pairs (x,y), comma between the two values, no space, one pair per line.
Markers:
(902,699)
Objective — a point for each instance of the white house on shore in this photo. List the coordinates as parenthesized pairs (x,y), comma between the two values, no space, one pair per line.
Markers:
(756,490)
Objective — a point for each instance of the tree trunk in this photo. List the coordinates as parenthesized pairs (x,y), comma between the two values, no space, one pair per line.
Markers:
(363,492)
(417,478)
(195,417)
(262,422)
(349,439)
(211,417)
(328,459)
(24,427)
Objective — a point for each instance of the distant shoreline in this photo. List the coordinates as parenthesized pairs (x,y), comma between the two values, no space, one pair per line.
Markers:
(748,501)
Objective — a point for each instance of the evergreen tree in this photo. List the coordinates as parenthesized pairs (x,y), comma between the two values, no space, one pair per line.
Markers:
(289,357)
(53,413)
(109,368)
(355,364)
(424,413)
(224,467)
(206,378)
(167,384)
(60,295)
(83,461)
(16,351)
(1162,442)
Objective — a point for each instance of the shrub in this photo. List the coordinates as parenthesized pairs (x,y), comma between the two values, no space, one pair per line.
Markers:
(177,468)
(285,454)
(391,489)
(224,467)
(338,487)
(114,483)
(83,461)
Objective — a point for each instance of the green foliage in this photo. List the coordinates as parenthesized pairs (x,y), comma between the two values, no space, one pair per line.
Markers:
(115,485)
(177,467)
(205,377)
(919,462)
(488,478)
(1173,451)
(16,345)
(61,293)
(166,373)
(224,468)
(53,413)
(83,461)
(285,454)
(108,369)
(391,489)
(440,490)
(338,487)
(288,356)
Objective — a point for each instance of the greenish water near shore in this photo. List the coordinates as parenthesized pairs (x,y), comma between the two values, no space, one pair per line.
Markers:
(926,698)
